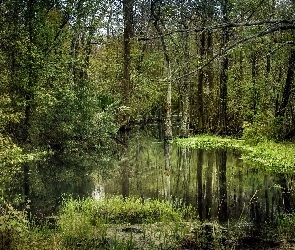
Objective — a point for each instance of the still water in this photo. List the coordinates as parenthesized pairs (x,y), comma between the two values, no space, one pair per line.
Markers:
(217,183)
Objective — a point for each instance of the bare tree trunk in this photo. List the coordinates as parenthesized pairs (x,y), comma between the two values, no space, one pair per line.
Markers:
(223,96)
(155,11)
(128,33)
(224,65)
(186,88)
(168,119)
(288,85)
(211,110)
(281,111)
(200,86)
(254,87)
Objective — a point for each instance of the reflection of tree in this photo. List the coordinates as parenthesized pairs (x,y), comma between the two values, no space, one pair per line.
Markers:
(186,170)
(124,151)
(177,188)
(221,164)
(286,194)
(59,176)
(200,183)
(266,196)
(183,170)
(215,190)
(209,177)
(167,171)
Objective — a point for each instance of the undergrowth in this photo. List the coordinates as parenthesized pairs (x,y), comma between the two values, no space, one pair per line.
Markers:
(120,223)
(108,224)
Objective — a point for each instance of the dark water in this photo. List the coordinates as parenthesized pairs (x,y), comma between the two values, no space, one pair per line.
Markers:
(215,182)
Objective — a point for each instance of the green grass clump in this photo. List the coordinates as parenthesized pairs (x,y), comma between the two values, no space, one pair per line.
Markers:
(90,222)
(118,210)
(277,157)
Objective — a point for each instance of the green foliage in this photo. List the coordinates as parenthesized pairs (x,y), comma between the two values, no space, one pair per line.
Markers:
(264,128)
(92,222)
(277,157)
(117,210)
(49,107)
(148,87)
(13,227)
(285,226)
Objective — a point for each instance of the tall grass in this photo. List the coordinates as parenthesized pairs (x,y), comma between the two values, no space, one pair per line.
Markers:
(111,224)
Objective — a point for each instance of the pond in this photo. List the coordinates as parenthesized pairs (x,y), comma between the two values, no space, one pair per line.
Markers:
(217,183)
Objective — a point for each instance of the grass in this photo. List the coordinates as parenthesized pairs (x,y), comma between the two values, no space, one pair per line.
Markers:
(118,210)
(277,157)
(120,223)
(110,224)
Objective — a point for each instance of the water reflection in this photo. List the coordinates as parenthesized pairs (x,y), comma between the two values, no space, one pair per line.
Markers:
(98,192)
(216,182)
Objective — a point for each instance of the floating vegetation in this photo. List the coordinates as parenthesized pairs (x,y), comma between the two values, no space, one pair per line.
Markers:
(277,157)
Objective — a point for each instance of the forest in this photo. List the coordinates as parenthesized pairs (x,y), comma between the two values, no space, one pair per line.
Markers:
(77,74)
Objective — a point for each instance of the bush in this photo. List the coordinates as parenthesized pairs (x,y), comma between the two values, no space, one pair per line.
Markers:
(13,227)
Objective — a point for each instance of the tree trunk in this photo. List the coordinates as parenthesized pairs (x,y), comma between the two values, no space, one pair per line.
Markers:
(254,87)
(200,86)
(223,97)
(128,33)
(211,110)
(288,86)
(224,65)
(185,88)
(168,121)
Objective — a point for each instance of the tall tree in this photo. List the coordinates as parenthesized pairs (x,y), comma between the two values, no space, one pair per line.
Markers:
(224,66)
(128,33)
(157,21)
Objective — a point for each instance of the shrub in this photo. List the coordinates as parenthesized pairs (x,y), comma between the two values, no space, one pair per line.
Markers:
(13,227)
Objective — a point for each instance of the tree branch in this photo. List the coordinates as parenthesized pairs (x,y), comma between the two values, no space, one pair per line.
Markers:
(290,23)
(239,42)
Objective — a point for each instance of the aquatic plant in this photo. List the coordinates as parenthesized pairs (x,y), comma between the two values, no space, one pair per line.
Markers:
(116,222)
(277,157)
(117,209)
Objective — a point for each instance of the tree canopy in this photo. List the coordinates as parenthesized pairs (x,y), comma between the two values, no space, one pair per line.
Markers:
(73,72)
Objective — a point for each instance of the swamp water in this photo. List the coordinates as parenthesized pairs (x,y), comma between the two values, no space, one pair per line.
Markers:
(217,183)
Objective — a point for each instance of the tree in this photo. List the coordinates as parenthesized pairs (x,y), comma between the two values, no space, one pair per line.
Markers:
(156,14)
(128,33)
(54,108)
